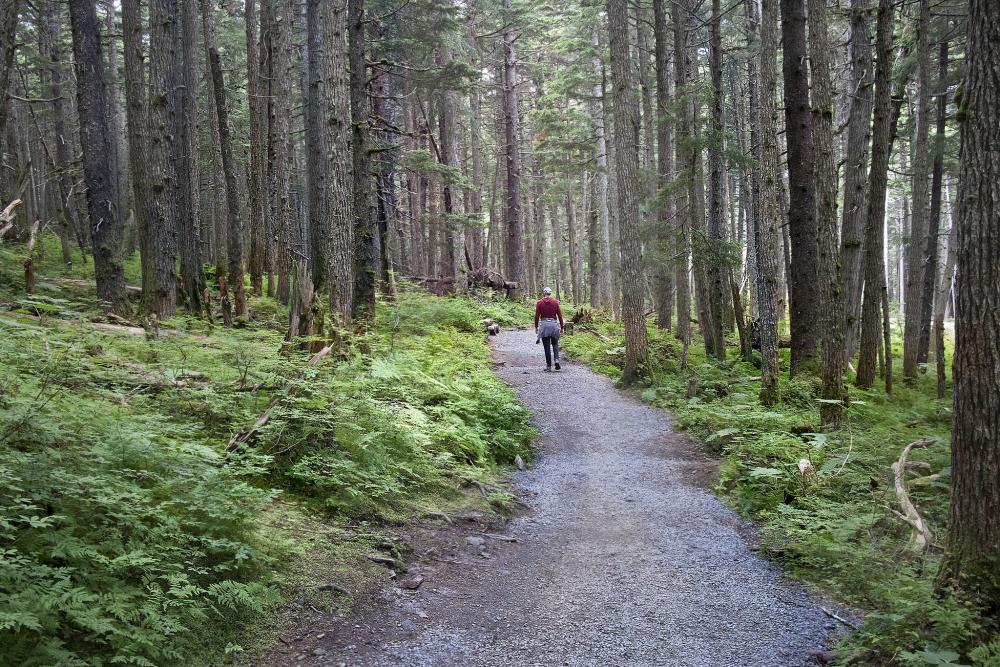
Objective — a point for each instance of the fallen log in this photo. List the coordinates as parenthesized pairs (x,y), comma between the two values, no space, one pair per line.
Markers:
(241,437)
(920,535)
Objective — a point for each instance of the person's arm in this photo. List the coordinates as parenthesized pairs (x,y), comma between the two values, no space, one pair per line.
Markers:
(562,325)
(538,311)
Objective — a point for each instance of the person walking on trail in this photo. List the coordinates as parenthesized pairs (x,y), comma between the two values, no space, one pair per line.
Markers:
(549,325)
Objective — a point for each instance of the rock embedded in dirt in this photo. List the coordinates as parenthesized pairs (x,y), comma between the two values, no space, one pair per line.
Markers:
(410,583)
(475,540)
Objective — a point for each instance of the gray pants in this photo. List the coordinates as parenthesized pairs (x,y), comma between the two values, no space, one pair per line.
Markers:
(548,331)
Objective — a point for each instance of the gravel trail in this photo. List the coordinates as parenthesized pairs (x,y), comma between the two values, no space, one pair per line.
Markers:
(623,560)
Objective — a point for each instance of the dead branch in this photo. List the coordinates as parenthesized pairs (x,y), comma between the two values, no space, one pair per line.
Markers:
(241,437)
(920,534)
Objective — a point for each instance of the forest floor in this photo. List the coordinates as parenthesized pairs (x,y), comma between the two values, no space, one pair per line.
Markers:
(620,556)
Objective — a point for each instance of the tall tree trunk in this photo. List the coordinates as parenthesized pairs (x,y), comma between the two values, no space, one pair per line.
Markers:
(8,30)
(916,258)
(940,305)
(825,178)
(340,208)
(934,221)
(256,181)
(316,114)
(475,236)
(601,295)
(52,51)
(159,229)
(802,226)
(279,33)
(513,222)
(886,113)
(715,270)
(856,168)
(682,167)
(186,157)
(234,232)
(91,94)
(572,249)
(972,558)
(767,236)
(663,286)
(365,239)
(627,171)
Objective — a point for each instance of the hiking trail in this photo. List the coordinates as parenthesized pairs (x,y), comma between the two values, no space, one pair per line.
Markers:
(624,559)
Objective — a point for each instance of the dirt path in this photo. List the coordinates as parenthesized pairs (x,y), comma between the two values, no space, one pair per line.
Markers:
(623,559)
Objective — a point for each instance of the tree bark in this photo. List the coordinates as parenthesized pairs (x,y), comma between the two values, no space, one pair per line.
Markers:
(886,113)
(767,237)
(825,178)
(8,30)
(916,258)
(316,114)
(682,168)
(234,229)
(259,260)
(365,239)
(185,147)
(340,208)
(972,558)
(662,275)
(856,168)
(716,271)
(627,171)
(934,221)
(91,93)
(802,225)
(516,271)
(940,304)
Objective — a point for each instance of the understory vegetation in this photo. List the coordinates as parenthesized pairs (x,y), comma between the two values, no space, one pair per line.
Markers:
(826,501)
(129,535)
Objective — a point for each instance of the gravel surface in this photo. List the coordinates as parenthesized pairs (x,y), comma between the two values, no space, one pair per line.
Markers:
(624,559)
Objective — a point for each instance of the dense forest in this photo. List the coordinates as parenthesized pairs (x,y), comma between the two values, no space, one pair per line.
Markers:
(780,219)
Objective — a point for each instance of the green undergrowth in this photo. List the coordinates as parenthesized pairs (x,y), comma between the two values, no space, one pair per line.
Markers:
(129,535)
(832,524)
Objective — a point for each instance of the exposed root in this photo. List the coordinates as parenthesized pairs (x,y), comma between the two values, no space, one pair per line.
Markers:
(920,534)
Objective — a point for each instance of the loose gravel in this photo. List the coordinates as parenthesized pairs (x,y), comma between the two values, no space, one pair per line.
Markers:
(623,560)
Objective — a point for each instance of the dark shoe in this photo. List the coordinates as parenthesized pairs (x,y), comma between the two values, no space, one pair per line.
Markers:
(548,369)
(558,367)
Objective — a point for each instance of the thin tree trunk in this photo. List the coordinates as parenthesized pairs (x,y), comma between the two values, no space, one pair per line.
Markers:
(512,210)
(682,166)
(234,231)
(256,182)
(941,303)
(934,221)
(886,114)
(715,270)
(856,167)
(365,239)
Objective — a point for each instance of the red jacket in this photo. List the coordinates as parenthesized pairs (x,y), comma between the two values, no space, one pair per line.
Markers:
(548,309)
